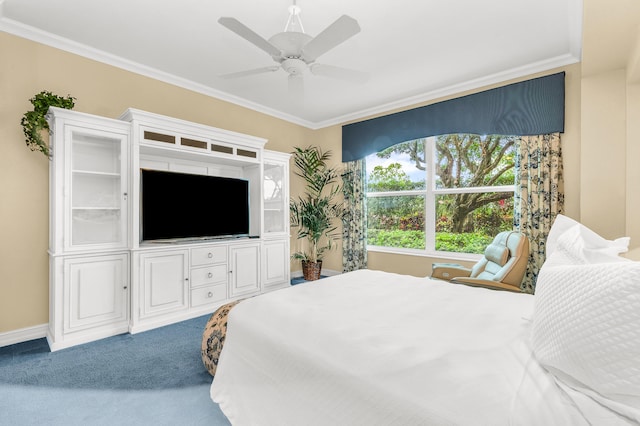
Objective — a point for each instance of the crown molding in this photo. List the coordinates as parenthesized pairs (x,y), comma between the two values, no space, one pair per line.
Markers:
(49,39)
(37,35)
(514,73)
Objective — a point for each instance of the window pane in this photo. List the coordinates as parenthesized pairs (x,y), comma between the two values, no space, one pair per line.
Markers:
(399,168)
(464,160)
(467,223)
(396,221)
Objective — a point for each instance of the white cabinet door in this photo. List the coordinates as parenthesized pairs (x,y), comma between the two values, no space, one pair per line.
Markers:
(88,182)
(244,269)
(164,282)
(96,188)
(275,192)
(95,291)
(275,263)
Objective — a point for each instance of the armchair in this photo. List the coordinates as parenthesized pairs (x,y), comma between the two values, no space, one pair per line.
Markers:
(502,266)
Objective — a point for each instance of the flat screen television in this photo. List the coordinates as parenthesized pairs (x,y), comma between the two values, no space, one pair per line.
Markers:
(183,206)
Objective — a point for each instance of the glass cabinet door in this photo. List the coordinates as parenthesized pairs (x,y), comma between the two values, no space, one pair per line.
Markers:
(276,203)
(97,188)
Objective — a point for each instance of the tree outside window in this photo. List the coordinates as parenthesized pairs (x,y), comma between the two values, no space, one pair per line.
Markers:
(450,193)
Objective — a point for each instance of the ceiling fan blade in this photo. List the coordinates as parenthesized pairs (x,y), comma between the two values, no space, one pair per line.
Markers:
(296,86)
(248,34)
(339,73)
(246,73)
(342,29)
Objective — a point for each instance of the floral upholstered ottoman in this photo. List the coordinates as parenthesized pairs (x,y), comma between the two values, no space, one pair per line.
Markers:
(214,335)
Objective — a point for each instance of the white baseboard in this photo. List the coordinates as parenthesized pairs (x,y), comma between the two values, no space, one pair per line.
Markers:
(86,336)
(23,335)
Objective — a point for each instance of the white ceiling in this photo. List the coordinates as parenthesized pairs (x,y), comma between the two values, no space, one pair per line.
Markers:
(414,50)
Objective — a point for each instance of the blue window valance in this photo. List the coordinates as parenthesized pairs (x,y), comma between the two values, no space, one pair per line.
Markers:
(532,107)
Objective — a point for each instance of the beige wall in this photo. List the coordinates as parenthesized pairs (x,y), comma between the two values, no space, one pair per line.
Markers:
(610,107)
(26,69)
(603,171)
(633,170)
(600,146)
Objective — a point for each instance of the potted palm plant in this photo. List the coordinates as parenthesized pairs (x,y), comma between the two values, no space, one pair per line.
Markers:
(316,212)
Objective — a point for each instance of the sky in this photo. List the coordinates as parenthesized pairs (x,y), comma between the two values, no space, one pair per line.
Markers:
(407,165)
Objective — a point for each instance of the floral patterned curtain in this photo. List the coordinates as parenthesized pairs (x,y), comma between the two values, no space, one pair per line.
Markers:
(539,196)
(354,223)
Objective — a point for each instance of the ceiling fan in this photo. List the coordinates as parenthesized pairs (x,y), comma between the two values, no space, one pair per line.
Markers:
(295,51)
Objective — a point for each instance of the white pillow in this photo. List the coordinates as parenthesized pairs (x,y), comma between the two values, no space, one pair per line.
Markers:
(586,322)
(586,328)
(570,242)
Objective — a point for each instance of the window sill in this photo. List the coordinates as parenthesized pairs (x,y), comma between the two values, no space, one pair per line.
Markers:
(441,255)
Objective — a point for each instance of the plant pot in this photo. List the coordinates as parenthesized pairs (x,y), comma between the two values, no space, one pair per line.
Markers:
(311,270)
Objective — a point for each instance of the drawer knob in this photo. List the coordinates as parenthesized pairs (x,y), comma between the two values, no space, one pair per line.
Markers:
(209,294)
(210,255)
(209,275)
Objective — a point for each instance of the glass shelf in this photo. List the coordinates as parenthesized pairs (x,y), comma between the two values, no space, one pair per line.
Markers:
(96,153)
(95,226)
(96,190)
(94,208)
(96,187)
(94,173)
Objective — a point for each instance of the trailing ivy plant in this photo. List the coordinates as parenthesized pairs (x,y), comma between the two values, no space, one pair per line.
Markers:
(33,122)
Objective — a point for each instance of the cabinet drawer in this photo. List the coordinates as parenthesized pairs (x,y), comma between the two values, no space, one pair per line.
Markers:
(208,255)
(209,275)
(209,294)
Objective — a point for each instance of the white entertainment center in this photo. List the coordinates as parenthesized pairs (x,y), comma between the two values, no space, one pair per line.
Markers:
(104,280)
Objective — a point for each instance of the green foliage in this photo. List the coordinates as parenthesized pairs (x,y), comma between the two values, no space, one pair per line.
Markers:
(315,212)
(474,242)
(465,222)
(402,212)
(414,148)
(33,122)
(466,160)
(461,161)
(489,219)
(395,238)
(391,178)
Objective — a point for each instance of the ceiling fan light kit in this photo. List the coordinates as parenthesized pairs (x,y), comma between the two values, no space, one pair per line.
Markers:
(295,51)
(294,23)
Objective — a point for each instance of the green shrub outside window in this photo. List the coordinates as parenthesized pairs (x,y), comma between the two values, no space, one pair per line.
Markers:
(450,193)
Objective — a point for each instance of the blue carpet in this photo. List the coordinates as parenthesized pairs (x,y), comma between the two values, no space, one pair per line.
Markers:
(301,280)
(150,378)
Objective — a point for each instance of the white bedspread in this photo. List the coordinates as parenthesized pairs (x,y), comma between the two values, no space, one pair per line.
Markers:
(375,348)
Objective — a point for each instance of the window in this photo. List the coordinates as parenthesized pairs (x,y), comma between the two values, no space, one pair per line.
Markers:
(449,193)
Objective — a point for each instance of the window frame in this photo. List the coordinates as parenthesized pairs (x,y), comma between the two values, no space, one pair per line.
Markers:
(430,193)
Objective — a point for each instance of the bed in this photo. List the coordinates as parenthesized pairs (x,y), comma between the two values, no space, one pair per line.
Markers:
(377,348)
